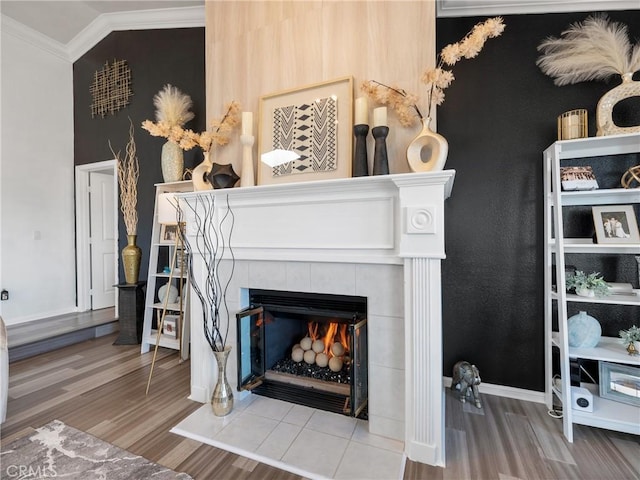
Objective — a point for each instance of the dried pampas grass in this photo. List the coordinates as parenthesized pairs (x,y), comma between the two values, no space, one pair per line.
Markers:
(172,106)
(592,50)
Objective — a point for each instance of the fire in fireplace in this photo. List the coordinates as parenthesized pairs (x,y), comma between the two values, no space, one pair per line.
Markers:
(305,348)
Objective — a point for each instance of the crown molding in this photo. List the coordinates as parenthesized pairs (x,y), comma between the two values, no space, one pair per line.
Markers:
(102,26)
(470,8)
(33,38)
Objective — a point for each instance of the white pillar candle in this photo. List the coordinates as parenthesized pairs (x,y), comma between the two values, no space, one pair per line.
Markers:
(380,117)
(247,123)
(362,111)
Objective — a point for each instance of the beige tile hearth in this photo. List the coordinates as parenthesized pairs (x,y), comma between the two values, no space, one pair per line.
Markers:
(305,441)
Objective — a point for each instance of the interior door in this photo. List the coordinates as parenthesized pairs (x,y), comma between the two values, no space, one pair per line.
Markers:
(103,238)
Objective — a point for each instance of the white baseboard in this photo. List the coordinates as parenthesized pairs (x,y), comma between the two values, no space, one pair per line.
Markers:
(504,391)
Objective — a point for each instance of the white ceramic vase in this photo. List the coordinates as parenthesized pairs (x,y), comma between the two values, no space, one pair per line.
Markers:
(585,292)
(199,174)
(172,160)
(428,151)
(604,111)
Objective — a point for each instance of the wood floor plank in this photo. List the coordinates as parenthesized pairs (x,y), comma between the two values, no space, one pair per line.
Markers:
(179,453)
(26,375)
(526,450)
(457,458)
(630,451)
(548,431)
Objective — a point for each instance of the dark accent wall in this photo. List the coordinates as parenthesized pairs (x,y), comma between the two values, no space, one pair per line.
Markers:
(498,116)
(155,58)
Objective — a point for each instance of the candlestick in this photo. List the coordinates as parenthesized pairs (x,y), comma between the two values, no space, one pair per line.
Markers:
(380,117)
(360,167)
(380,160)
(247,179)
(362,111)
(247,123)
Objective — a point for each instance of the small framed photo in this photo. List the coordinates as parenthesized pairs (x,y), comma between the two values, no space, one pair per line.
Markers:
(616,224)
(169,233)
(620,383)
(578,178)
(314,122)
(171,325)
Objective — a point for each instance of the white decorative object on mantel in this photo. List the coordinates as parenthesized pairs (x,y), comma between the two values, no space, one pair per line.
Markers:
(357,236)
(247,177)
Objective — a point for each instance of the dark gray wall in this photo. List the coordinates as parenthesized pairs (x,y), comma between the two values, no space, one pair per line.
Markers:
(499,115)
(155,58)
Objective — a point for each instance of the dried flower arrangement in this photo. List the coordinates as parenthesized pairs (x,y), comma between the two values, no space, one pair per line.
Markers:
(592,50)
(128,173)
(187,139)
(436,79)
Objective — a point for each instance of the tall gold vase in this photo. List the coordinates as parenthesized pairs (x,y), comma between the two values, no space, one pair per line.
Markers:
(131,255)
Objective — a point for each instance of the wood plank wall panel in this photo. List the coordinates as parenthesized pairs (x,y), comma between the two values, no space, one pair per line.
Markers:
(256,47)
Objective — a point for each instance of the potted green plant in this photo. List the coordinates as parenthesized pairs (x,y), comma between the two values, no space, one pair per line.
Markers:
(588,285)
(629,337)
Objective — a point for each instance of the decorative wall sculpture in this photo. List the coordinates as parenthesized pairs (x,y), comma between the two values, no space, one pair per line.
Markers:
(111,88)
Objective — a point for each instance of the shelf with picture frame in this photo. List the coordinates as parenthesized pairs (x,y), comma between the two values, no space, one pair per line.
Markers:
(167,284)
(597,205)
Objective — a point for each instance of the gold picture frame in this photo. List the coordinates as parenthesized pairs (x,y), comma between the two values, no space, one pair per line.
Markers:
(168,233)
(316,122)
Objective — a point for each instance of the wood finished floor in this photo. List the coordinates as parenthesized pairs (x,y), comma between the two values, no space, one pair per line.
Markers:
(99,388)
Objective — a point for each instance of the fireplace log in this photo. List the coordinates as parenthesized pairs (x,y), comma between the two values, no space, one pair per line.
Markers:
(335,364)
(337,349)
(297,355)
(305,343)
(310,357)
(322,360)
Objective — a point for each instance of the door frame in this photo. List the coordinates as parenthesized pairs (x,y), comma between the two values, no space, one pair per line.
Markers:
(83,251)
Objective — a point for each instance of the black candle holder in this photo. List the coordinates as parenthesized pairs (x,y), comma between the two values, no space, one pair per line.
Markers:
(380,160)
(360,166)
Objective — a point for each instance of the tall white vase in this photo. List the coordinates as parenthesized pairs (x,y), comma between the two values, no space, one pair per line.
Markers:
(428,151)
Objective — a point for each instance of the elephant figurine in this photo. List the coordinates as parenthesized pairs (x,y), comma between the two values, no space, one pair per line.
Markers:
(466,379)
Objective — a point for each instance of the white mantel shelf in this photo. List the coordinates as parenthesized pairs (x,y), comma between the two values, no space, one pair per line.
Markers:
(379,223)
(351,219)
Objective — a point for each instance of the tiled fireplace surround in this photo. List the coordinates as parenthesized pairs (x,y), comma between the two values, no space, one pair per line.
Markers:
(379,237)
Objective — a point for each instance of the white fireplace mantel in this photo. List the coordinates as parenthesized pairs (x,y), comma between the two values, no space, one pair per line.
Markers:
(395,220)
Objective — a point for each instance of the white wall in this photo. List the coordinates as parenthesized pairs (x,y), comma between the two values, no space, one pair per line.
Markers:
(37,252)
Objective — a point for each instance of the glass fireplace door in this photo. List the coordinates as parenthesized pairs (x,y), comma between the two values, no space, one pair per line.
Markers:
(250,324)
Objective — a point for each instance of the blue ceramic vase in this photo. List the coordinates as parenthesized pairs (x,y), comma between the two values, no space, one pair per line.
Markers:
(584,331)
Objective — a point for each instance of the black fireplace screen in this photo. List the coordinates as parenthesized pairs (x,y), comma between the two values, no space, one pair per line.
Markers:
(305,348)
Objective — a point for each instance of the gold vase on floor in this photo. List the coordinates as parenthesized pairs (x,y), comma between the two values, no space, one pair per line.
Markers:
(131,255)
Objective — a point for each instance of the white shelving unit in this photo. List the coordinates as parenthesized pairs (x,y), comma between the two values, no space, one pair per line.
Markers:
(606,413)
(154,307)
